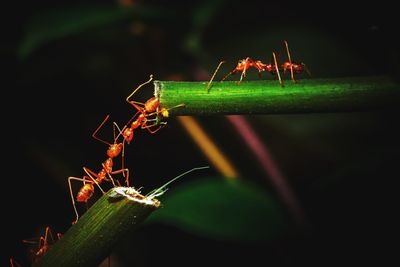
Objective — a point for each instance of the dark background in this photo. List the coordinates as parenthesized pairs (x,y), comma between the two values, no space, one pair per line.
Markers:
(342,166)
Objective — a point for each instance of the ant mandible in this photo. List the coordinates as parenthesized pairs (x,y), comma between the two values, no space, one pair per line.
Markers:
(87,190)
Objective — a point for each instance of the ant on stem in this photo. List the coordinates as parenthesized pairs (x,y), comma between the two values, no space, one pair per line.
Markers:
(247,63)
(87,190)
(44,243)
(144,111)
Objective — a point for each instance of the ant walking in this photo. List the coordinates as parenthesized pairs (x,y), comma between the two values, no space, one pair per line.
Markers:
(245,64)
(87,190)
(273,68)
(44,243)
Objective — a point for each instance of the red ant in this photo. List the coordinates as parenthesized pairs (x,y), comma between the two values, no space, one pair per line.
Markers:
(87,190)
(44,243)
(145,110)
(245,64)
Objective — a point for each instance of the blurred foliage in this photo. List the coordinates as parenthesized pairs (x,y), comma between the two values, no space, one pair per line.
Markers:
(223,209)
(64,21)
(79,62)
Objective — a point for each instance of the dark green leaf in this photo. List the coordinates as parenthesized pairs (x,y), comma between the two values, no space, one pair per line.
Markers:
(62,22)
(221,209)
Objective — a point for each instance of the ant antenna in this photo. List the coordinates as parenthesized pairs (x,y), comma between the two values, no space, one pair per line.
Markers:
(137,88)
(212,78)
(98,128)
(115,125)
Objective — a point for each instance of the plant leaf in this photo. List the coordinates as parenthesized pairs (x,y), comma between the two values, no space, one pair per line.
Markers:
(56,23)
(221,209)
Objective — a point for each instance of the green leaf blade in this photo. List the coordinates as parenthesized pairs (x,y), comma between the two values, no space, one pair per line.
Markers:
(226,210)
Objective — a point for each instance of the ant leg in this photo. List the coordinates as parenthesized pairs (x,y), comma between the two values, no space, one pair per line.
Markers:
(115,125)
(12,262)
(277,69)
(127,125)
(247,63)
(149,127)
(131,119)
(212,77)
(241,76)
(98,128)
(234,71)
(91,173)
(156,123)
(136,104)
(43,241)
(306,69)
(48,233)
(290,61)
(164,113)
(123,171)
(72,195)
(125,174)
(123,161)
(137,88)
(105,179)
(53,240)
(41,246)
(123,146)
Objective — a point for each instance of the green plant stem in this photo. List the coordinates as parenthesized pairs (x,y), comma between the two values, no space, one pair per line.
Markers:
(92,238)
(268,97)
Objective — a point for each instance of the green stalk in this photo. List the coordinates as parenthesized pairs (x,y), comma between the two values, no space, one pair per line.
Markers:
(268,97)
(92,238)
